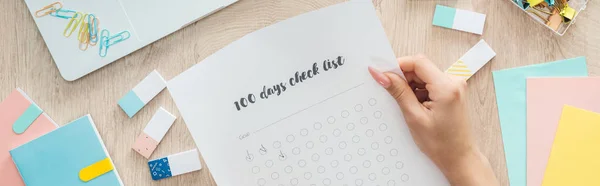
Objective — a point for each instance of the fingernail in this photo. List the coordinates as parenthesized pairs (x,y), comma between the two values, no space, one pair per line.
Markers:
(381,78)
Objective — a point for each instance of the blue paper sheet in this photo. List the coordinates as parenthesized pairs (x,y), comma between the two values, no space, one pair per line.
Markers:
(57,157)
(510,85)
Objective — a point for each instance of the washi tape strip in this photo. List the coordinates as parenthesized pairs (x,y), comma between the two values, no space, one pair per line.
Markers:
(27,118)
(176,164)
(458,19)
(154,132)
(97,169)
(142,93)
(472,61)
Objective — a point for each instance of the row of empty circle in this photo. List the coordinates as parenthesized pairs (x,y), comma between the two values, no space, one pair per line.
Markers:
(334,164)
(327,181)
(337,132)
(339,176)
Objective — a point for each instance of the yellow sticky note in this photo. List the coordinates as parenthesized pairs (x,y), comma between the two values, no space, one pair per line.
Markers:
(97,169)
(575,156)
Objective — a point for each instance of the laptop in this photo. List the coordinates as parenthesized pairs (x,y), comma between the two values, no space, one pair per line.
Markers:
(145,20)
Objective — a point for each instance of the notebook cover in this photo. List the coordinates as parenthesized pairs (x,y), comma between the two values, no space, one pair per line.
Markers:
(11,109)
(57,157)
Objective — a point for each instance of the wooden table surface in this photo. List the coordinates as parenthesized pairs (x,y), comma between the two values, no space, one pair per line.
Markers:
(517,40)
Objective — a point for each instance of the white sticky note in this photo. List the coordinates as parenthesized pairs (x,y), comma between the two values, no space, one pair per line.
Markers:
(472,61)
(176,164)
(458,19)
(159,124)
(150,86)
(142,93)
(469,21)
(184,162)
(154,132)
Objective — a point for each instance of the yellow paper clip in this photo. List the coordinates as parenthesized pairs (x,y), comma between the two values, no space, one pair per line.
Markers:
(84,38)
(83,28)
(73,23)
(48,9)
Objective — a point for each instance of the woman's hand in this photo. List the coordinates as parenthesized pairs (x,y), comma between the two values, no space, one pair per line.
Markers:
(433,104)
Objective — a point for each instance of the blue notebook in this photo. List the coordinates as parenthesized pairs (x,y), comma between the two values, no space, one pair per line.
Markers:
(72,155)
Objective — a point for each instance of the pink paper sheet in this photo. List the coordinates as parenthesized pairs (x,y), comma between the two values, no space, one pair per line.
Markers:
(545,100)
(10,109)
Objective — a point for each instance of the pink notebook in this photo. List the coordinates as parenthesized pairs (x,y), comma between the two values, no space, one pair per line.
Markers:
(21,121)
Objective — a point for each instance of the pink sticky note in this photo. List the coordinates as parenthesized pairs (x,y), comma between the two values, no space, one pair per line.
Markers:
(546,98)
(10,110)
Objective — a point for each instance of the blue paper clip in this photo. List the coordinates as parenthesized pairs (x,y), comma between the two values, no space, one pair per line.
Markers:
(121,36)
(63,13)
(106,40)
(93,28)
(104,36)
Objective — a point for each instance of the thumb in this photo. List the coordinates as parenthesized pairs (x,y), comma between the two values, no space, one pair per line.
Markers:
(401,91)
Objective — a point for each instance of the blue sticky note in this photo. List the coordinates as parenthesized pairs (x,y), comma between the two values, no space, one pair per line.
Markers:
(444,16)
(27,118)
(57,157)
(159,168)
(131,103)
(510,85)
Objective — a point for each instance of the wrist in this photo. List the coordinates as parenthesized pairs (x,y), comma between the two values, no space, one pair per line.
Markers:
(470,168)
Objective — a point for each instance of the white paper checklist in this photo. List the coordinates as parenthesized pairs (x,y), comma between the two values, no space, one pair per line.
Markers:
(294,104)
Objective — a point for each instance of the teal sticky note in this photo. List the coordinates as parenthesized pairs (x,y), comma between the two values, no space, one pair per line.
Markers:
(510,85)
(27,118)
(444,16)
(131,104)
(57,157)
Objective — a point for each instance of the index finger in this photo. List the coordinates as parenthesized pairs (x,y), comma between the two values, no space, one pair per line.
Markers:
(422,67)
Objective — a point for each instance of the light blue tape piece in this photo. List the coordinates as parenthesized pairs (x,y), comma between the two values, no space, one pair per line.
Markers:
(131,104)
(444,16)
(27,118)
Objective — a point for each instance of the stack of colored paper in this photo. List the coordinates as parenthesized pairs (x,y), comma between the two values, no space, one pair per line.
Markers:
(35,152)
(549,128)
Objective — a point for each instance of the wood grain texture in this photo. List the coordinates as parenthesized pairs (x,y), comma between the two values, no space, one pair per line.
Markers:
(517,39)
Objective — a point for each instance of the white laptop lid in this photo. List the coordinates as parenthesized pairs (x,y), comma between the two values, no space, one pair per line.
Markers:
(146,20)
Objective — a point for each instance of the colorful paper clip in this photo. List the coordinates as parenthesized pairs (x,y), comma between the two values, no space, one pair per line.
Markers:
(120,37)
(93,29)
(106,40)
(73,23)
(84,38)
(63,13)
(48,9)
(83,28)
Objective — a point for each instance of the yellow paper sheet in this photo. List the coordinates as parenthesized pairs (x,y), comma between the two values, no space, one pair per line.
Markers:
(575,156)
